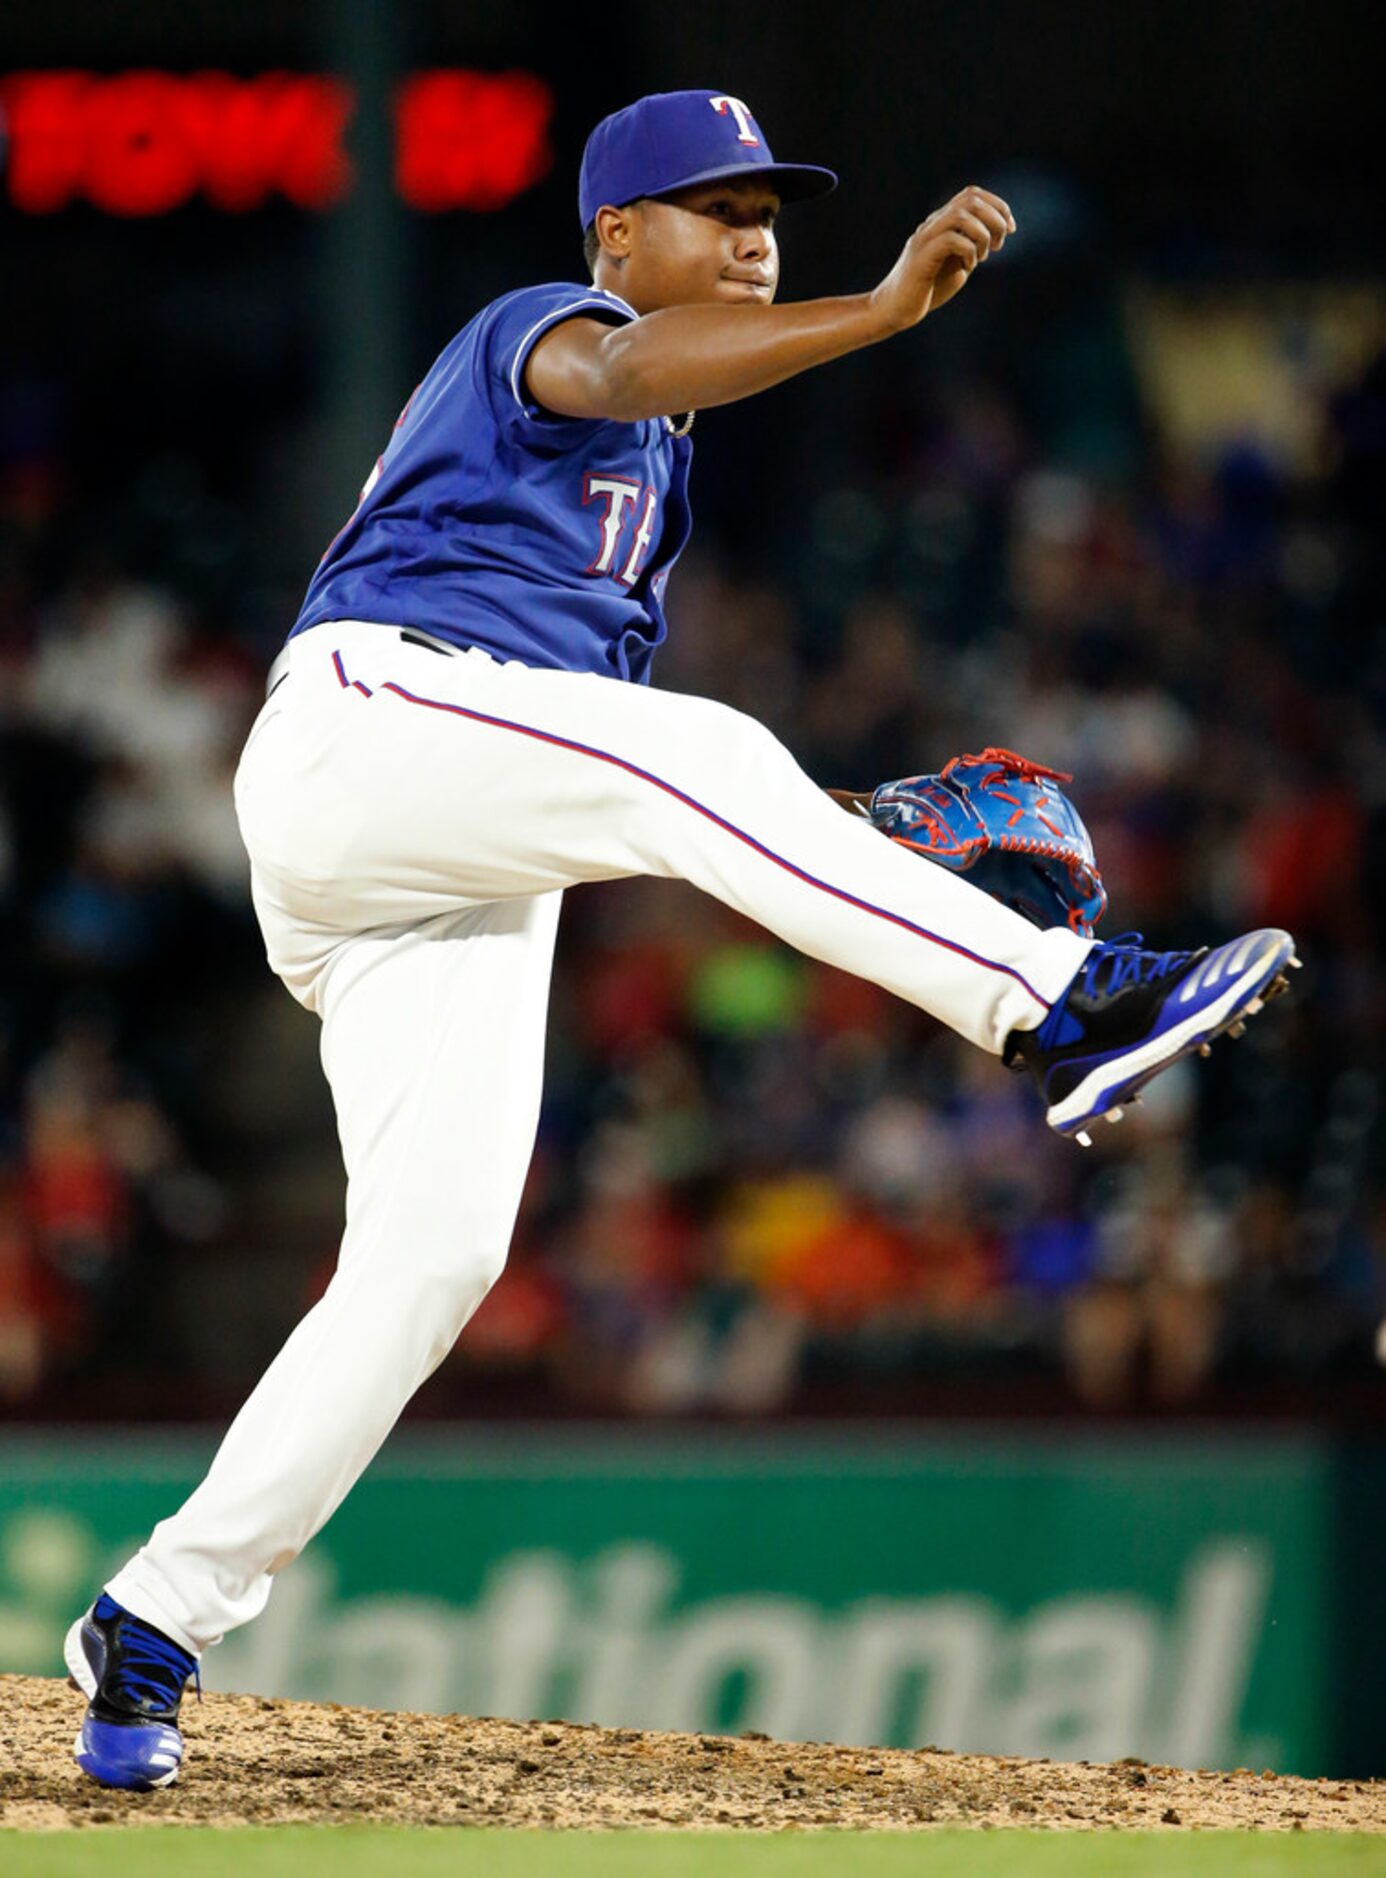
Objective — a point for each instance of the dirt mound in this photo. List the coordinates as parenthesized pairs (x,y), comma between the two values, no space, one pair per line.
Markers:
(258,1762)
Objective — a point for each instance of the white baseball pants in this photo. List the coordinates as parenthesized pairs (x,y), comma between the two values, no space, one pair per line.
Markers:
(411,818)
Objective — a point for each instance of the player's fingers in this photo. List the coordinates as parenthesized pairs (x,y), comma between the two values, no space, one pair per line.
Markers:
(996,224)
(953,243)
(979,198)
(977,232)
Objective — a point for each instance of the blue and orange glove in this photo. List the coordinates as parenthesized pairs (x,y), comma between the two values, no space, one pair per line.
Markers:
(1005,823)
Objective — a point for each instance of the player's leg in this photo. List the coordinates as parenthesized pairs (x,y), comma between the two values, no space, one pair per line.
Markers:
(630,780)
(462,775)
(455,775)
(433,1046)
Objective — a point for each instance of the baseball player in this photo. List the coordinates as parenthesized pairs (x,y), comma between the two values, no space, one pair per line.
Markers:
(461,725)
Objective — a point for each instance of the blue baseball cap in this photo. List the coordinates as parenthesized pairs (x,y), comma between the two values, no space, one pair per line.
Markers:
(674,138)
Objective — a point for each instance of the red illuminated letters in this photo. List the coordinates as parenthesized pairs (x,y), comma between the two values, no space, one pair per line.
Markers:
(42,116)
(141,143)
(138,159)
(471,140)
(279,133)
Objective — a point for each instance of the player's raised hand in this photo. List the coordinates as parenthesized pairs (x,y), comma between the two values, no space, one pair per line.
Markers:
(942,253)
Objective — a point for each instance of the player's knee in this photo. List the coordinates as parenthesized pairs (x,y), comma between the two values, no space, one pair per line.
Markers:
(487,1263)
(737,752)
(442,1299)
(431,1287)
(763,768)
(455,1283)
(744,738)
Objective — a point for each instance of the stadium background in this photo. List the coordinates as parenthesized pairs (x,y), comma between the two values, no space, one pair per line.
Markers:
(818,1363)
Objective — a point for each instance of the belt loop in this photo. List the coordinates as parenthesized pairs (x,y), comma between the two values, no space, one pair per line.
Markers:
(278,672)
(412,636)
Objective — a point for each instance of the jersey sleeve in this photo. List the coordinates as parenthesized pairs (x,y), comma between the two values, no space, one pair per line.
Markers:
(522,319)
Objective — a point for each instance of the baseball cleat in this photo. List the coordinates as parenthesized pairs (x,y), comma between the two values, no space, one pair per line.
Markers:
(133,1677)
(1128,1014)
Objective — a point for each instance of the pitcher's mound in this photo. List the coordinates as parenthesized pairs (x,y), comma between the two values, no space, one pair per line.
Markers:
(257,1762)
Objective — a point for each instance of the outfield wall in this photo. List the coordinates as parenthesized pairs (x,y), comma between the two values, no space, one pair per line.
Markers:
(1200,1603)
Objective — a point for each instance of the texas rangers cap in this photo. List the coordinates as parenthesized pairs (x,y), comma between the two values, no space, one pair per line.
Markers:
(674,138)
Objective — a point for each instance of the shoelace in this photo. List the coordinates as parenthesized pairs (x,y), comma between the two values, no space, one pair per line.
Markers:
(1128,963)
(153,1668)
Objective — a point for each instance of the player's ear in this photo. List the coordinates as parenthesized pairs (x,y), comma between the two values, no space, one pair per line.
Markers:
(615,231)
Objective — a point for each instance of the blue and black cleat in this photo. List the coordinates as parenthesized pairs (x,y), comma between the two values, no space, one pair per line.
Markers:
(1129,1014)
(133,1677)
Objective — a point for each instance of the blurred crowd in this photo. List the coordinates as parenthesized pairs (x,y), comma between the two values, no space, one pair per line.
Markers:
(123,893)
(760,1184)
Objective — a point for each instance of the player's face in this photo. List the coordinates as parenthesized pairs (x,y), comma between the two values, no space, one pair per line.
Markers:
(712,242)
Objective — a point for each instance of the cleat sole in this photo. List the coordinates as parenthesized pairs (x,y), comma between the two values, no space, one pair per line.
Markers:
(119,1777)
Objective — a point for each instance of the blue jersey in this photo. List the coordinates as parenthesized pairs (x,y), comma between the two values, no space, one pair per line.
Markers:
(490,522)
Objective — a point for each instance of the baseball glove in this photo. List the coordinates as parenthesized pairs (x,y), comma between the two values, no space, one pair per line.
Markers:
(1005,823)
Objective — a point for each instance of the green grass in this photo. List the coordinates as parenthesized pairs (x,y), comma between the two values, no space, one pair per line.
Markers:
(402,1852)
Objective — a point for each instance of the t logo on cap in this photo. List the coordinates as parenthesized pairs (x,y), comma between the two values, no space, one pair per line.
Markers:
(671,140)
(742,114)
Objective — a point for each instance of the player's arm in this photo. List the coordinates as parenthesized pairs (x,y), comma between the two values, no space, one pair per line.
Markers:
(690,358)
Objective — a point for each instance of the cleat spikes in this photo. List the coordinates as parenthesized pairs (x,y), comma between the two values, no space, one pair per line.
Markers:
(1115,1115)
(1238,1029)
(1205,1049)
(1296,965)
(1083,1138)
(1255,1005)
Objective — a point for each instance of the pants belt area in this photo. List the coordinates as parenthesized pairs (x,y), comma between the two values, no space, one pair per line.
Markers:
(411,635)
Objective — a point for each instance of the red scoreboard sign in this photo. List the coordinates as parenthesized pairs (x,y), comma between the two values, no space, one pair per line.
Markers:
(142,143)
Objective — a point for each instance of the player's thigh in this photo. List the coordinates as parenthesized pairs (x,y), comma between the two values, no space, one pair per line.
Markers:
(429,781)
(586,778)
(433,1045)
